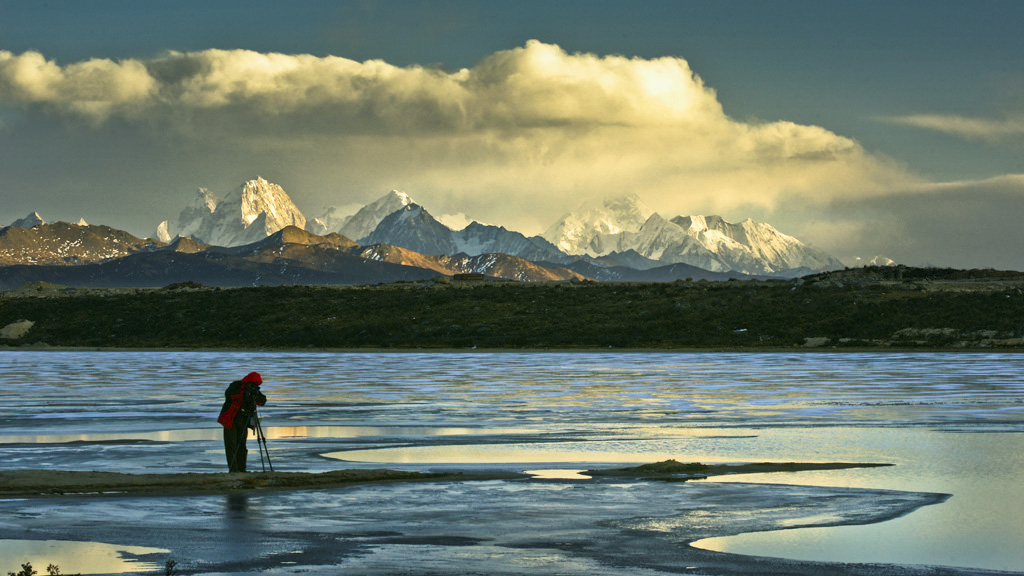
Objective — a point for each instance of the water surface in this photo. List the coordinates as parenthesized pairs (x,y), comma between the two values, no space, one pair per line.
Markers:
(952,424)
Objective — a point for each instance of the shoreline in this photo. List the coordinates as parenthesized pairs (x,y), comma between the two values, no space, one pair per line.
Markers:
(526,350)
(35,483)
(735,508)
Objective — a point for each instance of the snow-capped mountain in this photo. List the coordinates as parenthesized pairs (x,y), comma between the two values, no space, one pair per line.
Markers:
(414,228)
(708,242)
(251,212)
(332,220)
(574,232)
(478,238)
(760,245)
(622,225)
(191,218)
(30,221)
(365,221)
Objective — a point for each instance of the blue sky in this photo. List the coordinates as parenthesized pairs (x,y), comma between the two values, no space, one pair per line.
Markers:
(925,100)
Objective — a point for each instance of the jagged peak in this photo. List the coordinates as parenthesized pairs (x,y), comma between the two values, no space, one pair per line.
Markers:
(30,221)
(205,199)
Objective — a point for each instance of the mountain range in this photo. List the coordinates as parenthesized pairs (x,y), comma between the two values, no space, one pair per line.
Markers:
(257,235)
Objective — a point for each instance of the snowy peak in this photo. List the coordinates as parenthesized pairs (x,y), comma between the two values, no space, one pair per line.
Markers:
(709,242)
(258,197)
(413,228)
(574,231)
(191,217)
(771,250)
(366,220)
(876,261)
(253,211)
(30,221)
(476,239)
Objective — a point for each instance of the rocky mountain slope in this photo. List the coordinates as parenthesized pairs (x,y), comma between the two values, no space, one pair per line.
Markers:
(63,244)
(502,266)
(289,256)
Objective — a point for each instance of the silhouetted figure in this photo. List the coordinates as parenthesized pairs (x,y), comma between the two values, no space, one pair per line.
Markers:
(238,415)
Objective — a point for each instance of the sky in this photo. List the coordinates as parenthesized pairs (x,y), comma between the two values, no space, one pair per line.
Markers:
(863,128)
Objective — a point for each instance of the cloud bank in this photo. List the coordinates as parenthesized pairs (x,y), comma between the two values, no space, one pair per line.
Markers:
(519,138)
(534,113)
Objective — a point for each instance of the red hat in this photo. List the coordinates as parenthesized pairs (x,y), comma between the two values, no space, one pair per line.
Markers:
(252,377)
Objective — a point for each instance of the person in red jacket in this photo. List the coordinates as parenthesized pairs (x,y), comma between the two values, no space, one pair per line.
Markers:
(238,415)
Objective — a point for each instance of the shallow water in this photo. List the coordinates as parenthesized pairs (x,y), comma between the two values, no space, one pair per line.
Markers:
(85,557)
(952,424)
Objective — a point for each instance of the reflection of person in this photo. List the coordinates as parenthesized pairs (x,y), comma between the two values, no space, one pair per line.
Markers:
(238,415)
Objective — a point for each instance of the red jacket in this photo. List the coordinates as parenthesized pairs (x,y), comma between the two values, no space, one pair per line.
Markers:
(234,398)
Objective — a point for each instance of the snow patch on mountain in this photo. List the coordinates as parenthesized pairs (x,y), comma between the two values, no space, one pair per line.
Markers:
(876,261)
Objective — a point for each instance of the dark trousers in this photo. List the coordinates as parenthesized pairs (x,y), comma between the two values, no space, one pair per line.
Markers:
(234,445)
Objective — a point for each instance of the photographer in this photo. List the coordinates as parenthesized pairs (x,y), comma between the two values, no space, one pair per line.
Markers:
(238,415)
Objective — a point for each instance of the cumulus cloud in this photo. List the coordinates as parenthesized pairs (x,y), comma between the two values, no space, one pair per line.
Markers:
(993,130)
(94,89)
(537,85)
(519,138)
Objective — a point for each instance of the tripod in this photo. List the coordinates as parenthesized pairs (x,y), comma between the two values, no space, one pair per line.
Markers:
(261,441)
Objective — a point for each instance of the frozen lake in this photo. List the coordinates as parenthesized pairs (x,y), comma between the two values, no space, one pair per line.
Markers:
(953,424)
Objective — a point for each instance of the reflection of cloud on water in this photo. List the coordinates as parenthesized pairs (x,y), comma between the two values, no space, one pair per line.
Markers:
(78,557)
(273,433)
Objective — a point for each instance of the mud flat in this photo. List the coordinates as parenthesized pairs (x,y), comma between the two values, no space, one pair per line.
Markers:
(33,483)
(671,470)
(380,522)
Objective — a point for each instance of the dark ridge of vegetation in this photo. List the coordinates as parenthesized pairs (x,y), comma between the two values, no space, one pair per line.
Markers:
(906,273)
(830,310)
